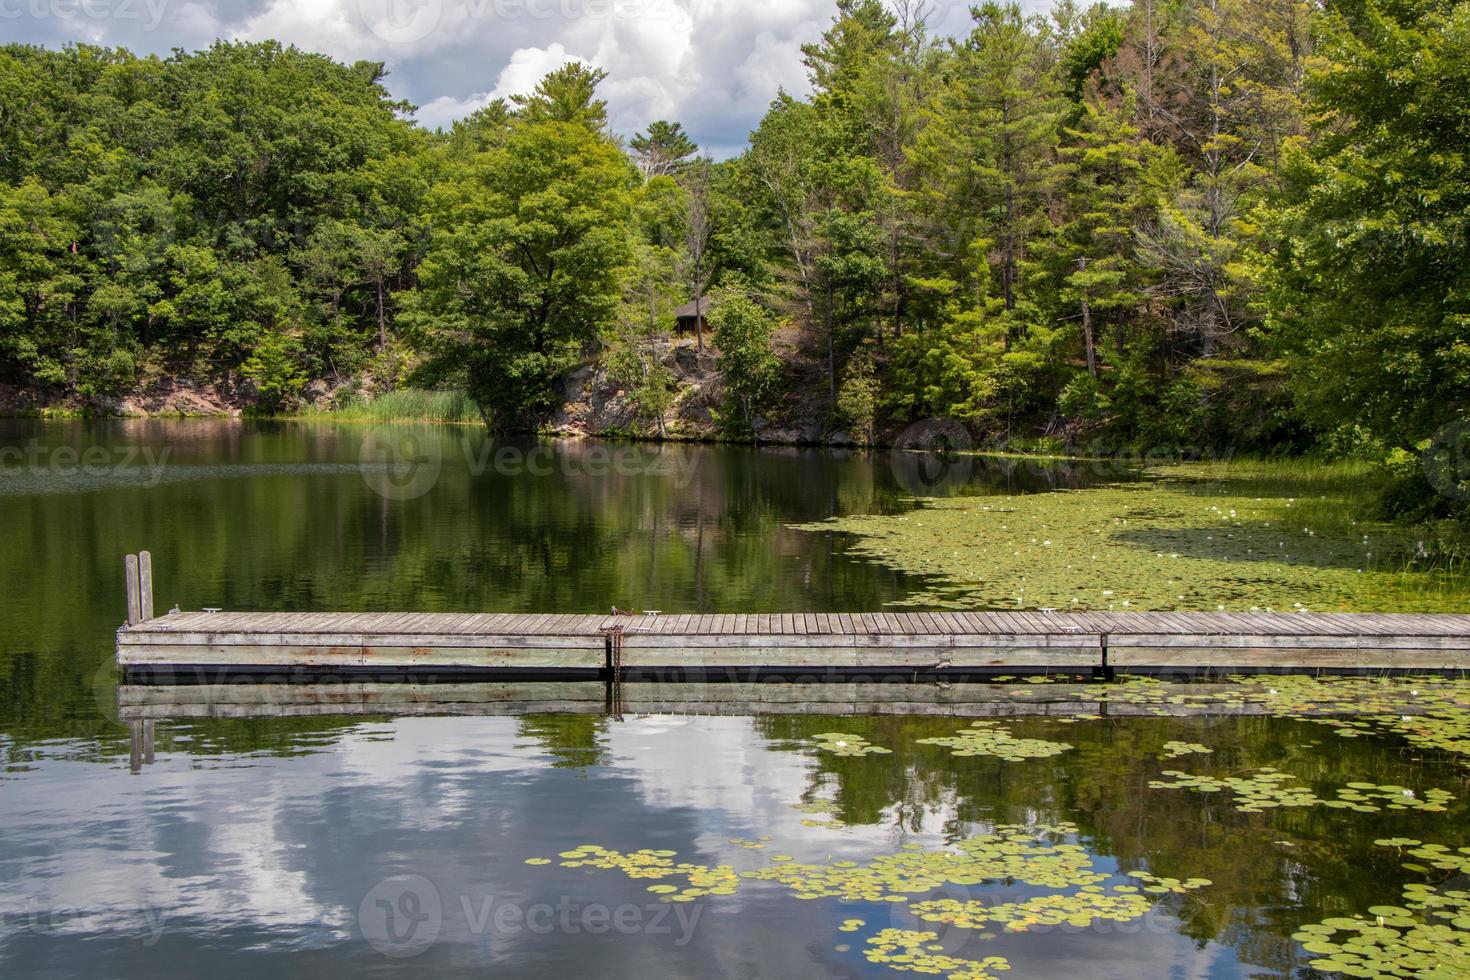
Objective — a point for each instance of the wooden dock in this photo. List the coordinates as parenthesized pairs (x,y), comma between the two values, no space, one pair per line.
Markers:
(919,643)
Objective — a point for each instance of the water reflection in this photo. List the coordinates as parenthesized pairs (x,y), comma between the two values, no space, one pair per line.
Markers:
(248,846)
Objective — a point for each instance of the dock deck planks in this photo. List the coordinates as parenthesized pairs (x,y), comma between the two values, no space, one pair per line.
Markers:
(923,640)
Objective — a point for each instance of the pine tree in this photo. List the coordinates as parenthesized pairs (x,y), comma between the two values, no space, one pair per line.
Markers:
(1106,194)
(662,151)
(985,150)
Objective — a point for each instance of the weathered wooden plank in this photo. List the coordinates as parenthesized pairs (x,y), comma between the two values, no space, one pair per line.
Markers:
(135,602)
(145,586)
(128,640)
(1300,657)
(421,657)
(866,657)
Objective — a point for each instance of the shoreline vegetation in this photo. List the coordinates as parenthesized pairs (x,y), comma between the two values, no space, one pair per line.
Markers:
(1056,229)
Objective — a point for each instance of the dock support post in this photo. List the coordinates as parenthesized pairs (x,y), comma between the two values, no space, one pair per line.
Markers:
(145,586)
(1104,670)
(135,602)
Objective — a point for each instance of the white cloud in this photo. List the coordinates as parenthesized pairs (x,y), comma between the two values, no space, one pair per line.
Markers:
(713,65)
(527,67)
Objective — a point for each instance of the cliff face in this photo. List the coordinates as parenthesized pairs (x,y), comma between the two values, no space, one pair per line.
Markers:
(593,404)
(158,397)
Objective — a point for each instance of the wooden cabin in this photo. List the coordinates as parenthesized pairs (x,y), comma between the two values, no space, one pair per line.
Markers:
(692,315)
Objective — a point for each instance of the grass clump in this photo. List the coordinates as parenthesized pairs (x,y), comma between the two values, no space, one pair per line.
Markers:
(405,405)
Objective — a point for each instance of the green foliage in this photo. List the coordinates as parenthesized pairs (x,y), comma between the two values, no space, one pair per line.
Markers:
(663,150)
(743,331)
(1372,287)
(857,398)
(182,215)
(635,360)
(404,405)
(523,269)
(566,95)
(1083,398)
(1089,45)
(1216,223)
(274,367)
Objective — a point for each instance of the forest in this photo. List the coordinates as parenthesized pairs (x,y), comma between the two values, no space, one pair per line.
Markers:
(1237,225)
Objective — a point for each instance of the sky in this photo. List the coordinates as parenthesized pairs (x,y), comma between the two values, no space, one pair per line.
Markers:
(713,65)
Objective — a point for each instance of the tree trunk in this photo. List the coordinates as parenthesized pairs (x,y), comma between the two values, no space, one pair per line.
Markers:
(382,323)
(1087,324)
(831,359)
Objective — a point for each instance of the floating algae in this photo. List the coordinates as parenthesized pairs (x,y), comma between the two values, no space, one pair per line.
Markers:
(990,738)
(1091,904)
(1167,544)
(1428,935)
(749,844)
(1037,855)
(1073,890)
(824,808)
(1034,855)
(841,743)
(1430,713)
(1270,788)
(913,951)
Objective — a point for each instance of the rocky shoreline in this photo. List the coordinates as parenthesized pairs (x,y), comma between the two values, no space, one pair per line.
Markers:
(592,404)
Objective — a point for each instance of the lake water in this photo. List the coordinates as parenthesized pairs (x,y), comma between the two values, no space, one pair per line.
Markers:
(310,843)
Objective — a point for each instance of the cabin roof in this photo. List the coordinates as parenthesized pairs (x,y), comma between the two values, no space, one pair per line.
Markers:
(693,308)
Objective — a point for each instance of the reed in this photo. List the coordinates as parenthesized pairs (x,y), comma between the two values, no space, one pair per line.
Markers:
(405,405)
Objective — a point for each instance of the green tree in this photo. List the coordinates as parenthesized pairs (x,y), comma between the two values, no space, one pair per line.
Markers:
(566,95)
(985,151)
(1371,289)
(524,268)
(662,151)
(38,283)
(275,367)
(1107,195)
(857,399)
(635,360)
(743,331)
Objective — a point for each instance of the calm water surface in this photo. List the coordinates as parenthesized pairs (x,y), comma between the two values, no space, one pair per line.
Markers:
(332,845)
